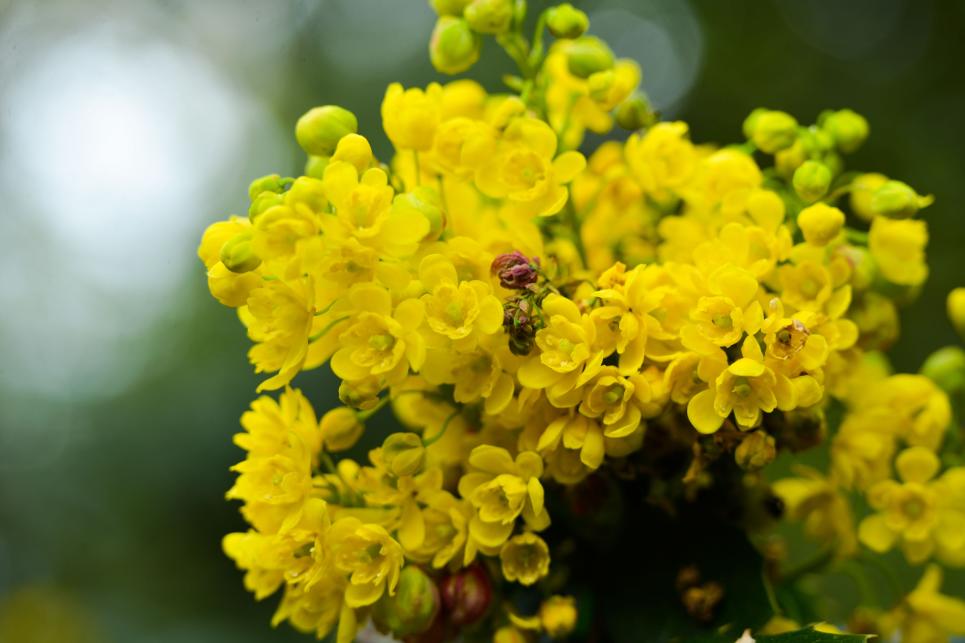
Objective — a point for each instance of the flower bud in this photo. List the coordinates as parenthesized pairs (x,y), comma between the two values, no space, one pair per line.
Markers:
(566,21)
(403,454)
(315,166)
(307,191)
(863,268)
(271,183)
(755,451)
(588,55)
(449,7)
(414,606)
(320,128)
(341,429)
(264,201)
(424,200)
(454,47)
(848,129)
(466,595)
(946,367)
(898,200)
(956,310)
(489,16)
(515,270)
(521,323)
(771,130)
(820,223)
(362,395)
(812,180)
(863,189)
(354,149)
(509,634)
(635,113)
(557,614)
(525,558)
(237,254)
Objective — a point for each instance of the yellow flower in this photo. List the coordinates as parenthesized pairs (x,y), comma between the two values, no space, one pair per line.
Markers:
(663,159)
(615,400)
(747,388)
(898,247)
(524,172)
(722,317)
(525,558)
(379,340)
(410,116)
(926,615)
(270,425)
(368,555)
(558,615)
(462,311)
(501,490)
(819,503)
(280,318)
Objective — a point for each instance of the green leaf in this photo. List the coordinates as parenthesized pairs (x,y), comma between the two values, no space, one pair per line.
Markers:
(806,635)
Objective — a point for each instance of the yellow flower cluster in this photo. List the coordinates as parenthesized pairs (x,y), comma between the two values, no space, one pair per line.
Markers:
(531,316)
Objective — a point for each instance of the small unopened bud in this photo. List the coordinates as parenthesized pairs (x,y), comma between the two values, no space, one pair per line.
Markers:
(270,183)
(362,395)
(515,270)
(453,47)
(812,180)
(820,223)
(319,130)
(566,21)
(863,189)
(489,16)
(956,310)
(898,200)
(635,113)
(557,614)
(403,454)
(354,149)
(315,166)
(771,130)
(520,321)
(264,201)
(466,595)
(341,429)
(237,254)
(848,129)
(755,451)
(413,607)
(588,55)
(946,367)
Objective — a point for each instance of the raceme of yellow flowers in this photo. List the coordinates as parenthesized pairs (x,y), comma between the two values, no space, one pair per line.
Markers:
(530,314)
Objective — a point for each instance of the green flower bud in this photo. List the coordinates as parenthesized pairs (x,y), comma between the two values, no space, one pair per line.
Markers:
(424,200)
(755,451)
(270,183)
(751,122)
(812,180)
(566,21)
(489,16)
(863,189)
(848,129)
(588,55)
(449,7)
(772,131)
(403,454)
(946,367)
(635,113)
(412,609)
(864,271)
(315,166)
(320,128)
(454,47)
(898,200)
(263,202)
(237,254)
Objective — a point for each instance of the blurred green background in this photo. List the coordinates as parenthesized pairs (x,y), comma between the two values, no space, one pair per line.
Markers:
(127,126)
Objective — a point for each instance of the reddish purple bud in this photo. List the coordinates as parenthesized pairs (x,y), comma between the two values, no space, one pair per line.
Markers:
(466,595)
(515,270)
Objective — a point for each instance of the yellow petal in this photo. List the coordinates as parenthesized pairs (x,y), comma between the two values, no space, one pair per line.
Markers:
(917,464)
(701,413)
(745,367)
(567,165)
(592,452)
(533,374)
(492,459)
(875,534)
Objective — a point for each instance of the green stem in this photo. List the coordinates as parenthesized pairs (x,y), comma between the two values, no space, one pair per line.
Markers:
(771,596)
(426,442)
(329,326)
(574,223)
(856,236)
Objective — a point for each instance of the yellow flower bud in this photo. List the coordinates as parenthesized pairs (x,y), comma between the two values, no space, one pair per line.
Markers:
(489,16)
(264,201)
(820,223)
(588,55)
(449,7)
(848,129)
(319,130)
(354,149)
(812,180)
(454,47)
(946,367)
(635,113)
(237,254)
(771,131)
(315,166)
(270,183)
(755,451)
(525,558)
(863,189)
(898,200)
(307,191)
(956,310)
(557,615)
(403,454)
(341,429)
(566,21)
(413,607)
